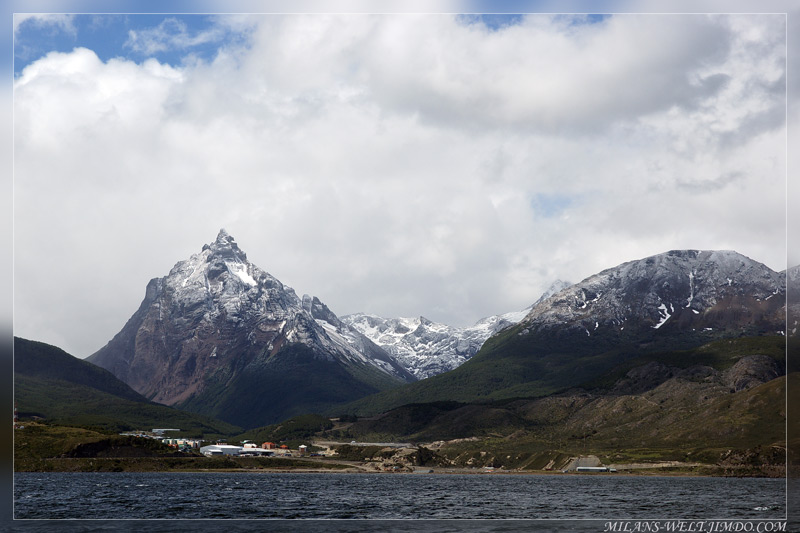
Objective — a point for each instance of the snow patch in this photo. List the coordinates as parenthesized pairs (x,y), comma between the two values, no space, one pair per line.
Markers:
(664,313)
(585,303)
(242,274)
(691,288)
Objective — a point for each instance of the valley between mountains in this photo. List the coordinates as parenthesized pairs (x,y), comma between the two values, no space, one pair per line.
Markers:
(675,361)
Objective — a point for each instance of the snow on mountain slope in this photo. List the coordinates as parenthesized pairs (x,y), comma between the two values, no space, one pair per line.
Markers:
(677,290)
(426,348)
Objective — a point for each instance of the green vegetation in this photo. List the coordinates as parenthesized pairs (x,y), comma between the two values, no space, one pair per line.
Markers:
(736,434)
(292,432)
(37,445)
(687,418)
(720,355)
(74,405)
(45,362)
(52,385)
(37,441)
(674,416)
(177,464)
(44,447)
(509,366)
(692,418)
(292,382)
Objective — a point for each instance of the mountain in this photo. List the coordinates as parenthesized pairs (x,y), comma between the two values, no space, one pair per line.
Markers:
(674,292)
(554,288)
(51,384)
(717,369)
(723,403)
(222,337)
(426,348)
(672,301)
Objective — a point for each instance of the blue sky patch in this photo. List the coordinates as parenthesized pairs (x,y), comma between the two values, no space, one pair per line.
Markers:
(492,22)
(167,38)
(550,205)
(582,19)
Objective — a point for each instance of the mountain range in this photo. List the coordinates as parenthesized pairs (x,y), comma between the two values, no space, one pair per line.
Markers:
(672,301)
(221,337)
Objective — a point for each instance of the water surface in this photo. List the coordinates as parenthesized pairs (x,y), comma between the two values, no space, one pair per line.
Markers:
(129,495)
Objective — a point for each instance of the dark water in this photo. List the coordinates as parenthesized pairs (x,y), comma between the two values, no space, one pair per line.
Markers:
(380,496)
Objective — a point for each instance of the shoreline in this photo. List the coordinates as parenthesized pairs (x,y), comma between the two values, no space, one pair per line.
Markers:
(116,467)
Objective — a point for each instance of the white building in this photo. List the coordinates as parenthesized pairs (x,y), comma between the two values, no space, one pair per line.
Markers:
(221,449)
(255,451)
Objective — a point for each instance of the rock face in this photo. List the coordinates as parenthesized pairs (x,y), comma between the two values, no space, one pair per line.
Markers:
(748,372)
(426,348)
(678,291)
(216,317)
(751,371)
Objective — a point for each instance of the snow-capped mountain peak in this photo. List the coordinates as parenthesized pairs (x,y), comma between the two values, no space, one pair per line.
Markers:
(216,311)
(427,348)
(685,289)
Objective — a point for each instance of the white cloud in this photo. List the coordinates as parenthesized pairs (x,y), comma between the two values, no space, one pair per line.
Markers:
(397,164)
(171,34)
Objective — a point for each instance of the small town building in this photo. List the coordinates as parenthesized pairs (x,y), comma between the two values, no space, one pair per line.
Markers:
(268,446)
(182,443)
(302,449)
(221,449)
(256,452)
(161,431)
(592,469)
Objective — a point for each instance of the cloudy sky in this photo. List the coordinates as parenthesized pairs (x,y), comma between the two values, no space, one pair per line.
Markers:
(450,166)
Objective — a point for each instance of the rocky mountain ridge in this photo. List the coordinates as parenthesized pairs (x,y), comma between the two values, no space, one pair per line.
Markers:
(426,348)
(673,291)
